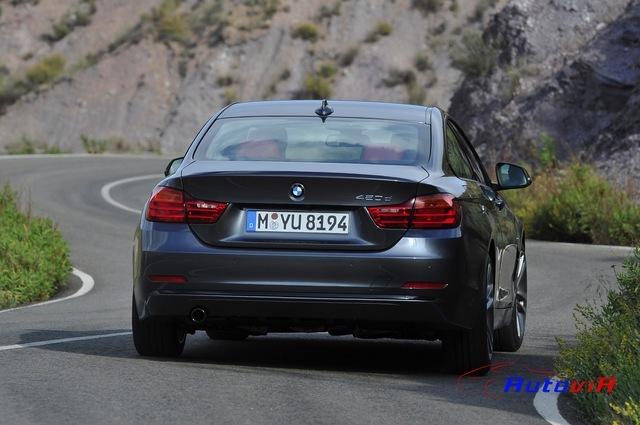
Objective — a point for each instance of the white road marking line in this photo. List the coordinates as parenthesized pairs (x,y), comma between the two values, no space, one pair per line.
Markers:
(60,341)
(87,285)
(106,191)
(546,405)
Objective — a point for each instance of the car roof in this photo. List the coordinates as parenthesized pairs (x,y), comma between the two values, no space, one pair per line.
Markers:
(341,108)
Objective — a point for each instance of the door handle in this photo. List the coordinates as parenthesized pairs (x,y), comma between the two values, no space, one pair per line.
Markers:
(499,202)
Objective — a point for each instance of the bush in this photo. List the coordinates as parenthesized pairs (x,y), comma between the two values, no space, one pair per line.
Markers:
(78,16)
(35,258)
(397,77)
(382,29)
(348,56)
(46,71)
(327,70)
(608,344)
(427,6)
(28,146)
(422,63)
(316,87)
(114,145)
(473,56)
(328,12)
(577,205)
(416,94)
(230,95)
(224,80)
(170,24)
(306,31)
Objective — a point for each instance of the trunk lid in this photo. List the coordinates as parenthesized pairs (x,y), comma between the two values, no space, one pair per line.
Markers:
(250,186)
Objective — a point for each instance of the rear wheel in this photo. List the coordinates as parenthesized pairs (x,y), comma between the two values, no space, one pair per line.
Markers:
(511,336)
(471,351)
(228,335)
(154,338)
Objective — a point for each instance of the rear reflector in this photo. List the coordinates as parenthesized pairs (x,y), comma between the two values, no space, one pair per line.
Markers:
(424,285)
(167,278)
(171,205)
(438,211)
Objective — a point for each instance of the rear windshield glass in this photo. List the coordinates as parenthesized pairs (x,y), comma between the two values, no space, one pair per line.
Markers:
(311,140)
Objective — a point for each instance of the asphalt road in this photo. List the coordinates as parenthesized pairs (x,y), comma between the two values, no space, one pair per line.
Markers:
(276,379)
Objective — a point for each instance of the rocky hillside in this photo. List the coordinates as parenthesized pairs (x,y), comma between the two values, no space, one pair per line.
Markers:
(523,76)
(563,77)
(93,74)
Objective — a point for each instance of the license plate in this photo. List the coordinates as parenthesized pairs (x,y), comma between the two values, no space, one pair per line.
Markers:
(297,222)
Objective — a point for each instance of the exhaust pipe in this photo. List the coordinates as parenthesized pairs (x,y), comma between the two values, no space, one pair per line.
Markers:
(198,315)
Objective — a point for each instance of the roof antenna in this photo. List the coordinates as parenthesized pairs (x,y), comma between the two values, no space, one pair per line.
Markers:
(324,110)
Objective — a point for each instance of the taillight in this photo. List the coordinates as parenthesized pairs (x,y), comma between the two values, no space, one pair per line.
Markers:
(171,205)
(166,205)
(424,212)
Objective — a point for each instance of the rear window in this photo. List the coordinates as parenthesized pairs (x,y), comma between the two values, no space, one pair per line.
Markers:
(310,140)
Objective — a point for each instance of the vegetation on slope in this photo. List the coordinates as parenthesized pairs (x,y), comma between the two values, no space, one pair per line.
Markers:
(35,258)
(608,344)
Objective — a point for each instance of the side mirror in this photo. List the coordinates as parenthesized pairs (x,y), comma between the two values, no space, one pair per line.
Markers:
(173,166)
(511,176)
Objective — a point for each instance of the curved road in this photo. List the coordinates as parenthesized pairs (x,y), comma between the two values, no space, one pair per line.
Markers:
(274,379)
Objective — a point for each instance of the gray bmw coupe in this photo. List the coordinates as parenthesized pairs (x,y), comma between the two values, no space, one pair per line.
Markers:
(352,218)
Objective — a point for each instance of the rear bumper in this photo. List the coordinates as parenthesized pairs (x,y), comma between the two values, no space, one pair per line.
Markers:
(257,286)
(328,310)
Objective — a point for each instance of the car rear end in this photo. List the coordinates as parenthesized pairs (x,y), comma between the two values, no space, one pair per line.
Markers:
(293,223)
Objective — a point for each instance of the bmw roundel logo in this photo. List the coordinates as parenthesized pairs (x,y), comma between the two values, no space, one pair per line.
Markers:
(297,191)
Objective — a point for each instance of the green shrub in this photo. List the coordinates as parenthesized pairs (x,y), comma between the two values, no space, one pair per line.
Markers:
(208,15)
(427,6)
(328,12)
(92,145)
(22,146)
(224,80)
(114,144)
(348,56)
(285,74)
(316,87)
(327,70)
(473,56)
(422,62)
(230,95)
(79,15)
(576,205)
(306,31)
(608,344)
(382,29)
(547,151)
(416,94)
(397,77)
(170,24)
(46,71)
(480,9)
(35,258)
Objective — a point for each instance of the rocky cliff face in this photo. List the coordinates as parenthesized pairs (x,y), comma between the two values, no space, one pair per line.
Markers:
(570,70)
(151,72)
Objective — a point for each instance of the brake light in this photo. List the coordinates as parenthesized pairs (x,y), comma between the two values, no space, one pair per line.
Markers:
(167,278)
(424,285)
(171,205)
(424,212)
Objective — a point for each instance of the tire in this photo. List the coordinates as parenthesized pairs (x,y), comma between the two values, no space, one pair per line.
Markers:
(233,335)
(471,351)
(153,338)
(510,337)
